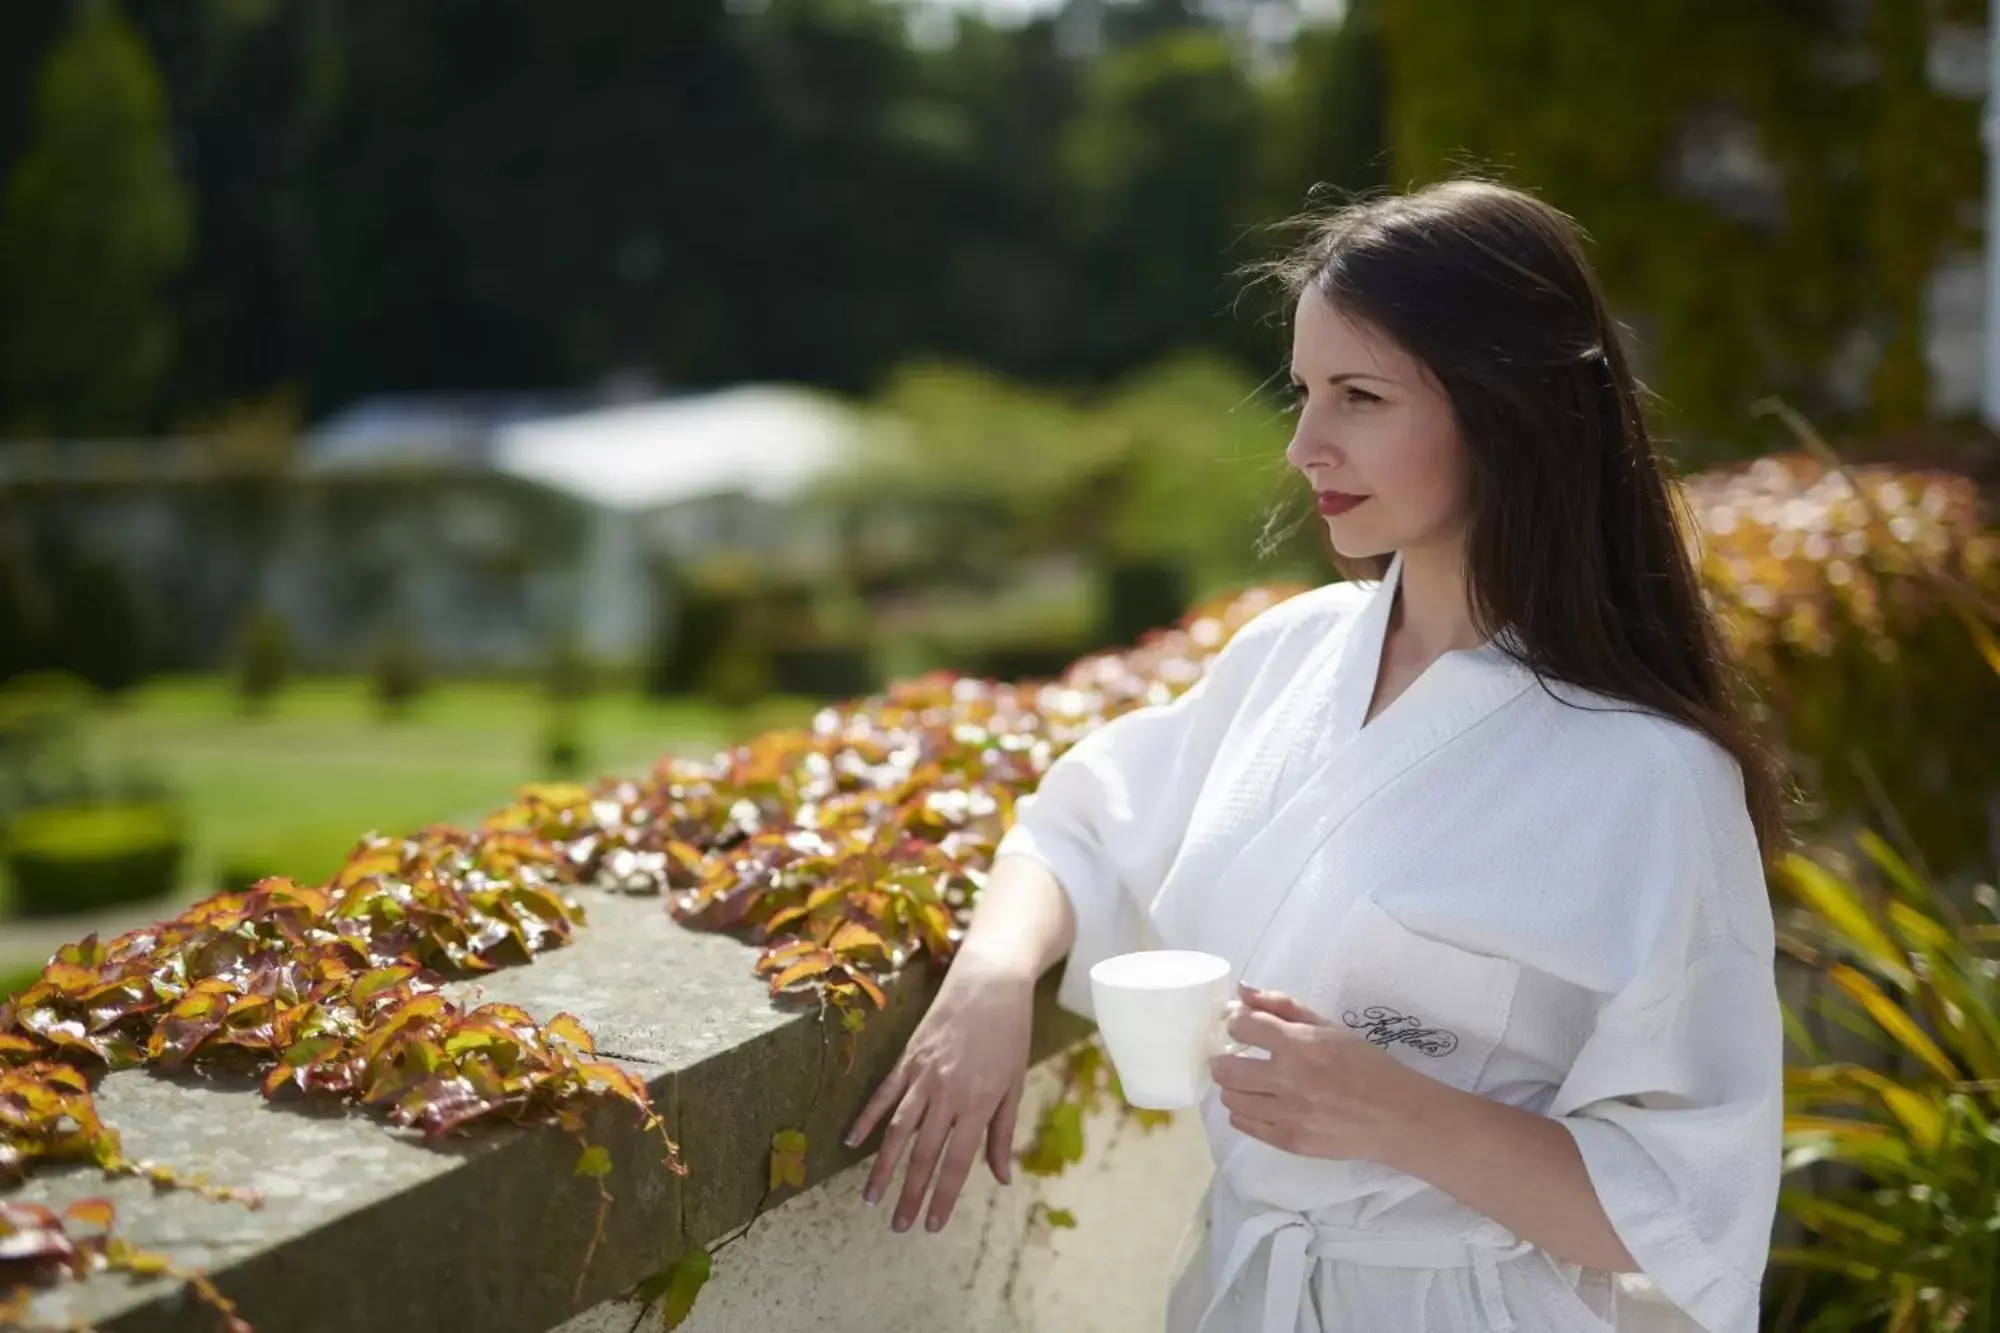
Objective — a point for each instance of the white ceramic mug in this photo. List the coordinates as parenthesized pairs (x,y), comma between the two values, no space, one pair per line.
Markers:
(1162,1013)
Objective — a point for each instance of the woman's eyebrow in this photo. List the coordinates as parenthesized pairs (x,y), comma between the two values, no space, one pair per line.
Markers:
(1346,376)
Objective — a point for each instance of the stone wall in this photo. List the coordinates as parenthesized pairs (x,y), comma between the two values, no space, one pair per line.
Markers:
(365,1228)
(827,1261)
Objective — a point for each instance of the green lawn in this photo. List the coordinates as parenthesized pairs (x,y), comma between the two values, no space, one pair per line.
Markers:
(289,792)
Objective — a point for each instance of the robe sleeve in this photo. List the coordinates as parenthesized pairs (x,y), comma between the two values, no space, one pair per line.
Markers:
(1676,1100)
(1108,818)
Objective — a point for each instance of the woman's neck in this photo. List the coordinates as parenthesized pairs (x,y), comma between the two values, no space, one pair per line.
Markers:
(1433,613)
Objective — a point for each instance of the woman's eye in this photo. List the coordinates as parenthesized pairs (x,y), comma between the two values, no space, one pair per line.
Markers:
(1361,396)
(1295,394)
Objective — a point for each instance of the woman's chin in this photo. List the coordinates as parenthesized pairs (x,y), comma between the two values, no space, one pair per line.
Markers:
(1350,544)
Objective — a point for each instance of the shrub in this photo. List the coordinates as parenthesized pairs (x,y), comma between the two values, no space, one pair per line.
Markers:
(562,751)
(396,670)
(1906,1240)
(65,859)
(1847,594)
(22,630)
(13,983)
(825,671)
(1141,596)
(42,715)
(567,673)
(693,627)
(309,855)
(263,658)
(98,624)
(737,674)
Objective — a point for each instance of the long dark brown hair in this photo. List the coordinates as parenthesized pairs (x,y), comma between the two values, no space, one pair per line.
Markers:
(1579,539)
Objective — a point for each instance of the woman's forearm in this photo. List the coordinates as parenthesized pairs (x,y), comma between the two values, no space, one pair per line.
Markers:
(1521,1169)
(1023,922)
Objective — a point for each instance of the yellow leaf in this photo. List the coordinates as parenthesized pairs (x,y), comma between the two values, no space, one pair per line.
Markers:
(1892,1019)
(1982,635)
(1894,866)
(831,892)
(853,937)
(1841,908)
(1917,1113)
(788,1159)
(97,1213)
(1919,930)
(806,968)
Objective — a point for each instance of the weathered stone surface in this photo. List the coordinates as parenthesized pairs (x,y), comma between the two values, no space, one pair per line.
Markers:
(825,1262)
(366,1228)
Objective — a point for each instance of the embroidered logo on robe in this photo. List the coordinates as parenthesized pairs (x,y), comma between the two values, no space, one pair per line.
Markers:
(1383,1026)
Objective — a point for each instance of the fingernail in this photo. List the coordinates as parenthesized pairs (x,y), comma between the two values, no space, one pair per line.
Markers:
(868,1196)
(934,1225)
(900,1225)
(852,1140)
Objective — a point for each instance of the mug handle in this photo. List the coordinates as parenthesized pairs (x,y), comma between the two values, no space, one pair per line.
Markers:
(1220,1043)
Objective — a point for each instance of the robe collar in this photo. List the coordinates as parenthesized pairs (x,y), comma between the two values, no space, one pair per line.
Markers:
(1312,765)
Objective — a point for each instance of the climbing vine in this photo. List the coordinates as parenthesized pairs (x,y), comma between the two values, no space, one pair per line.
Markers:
(328,991)
(846,848)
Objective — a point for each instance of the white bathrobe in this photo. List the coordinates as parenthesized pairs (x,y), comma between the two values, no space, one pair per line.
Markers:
(1526,891)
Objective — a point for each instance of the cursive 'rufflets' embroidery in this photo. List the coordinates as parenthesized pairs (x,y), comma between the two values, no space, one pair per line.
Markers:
(1385,1027)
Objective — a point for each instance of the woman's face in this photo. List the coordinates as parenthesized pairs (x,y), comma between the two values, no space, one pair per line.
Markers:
(1373,423)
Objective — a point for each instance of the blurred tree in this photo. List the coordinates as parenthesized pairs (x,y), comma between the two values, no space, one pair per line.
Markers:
(98,627)
(1205,478)
(507,195)
(1751,174)
(27,29)
(853,215)
(252,83)
(93,227)
(23,644)
(1324,114)
(1159,161)
(263,658)
(1002,288)
(1323,142)
(397,671)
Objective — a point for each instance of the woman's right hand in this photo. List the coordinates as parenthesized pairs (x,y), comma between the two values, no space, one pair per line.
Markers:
(958,1086)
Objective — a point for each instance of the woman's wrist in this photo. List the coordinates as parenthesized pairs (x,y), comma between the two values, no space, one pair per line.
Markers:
(1410,1112)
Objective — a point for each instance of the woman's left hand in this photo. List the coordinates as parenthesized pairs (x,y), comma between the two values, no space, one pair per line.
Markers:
(1324,1092)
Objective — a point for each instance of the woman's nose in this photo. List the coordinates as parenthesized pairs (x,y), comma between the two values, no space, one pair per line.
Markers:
(1310,447)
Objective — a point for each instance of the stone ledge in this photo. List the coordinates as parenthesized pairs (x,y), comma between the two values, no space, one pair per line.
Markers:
(365,1228)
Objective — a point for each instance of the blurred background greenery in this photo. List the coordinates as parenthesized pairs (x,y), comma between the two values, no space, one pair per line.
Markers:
(403,401)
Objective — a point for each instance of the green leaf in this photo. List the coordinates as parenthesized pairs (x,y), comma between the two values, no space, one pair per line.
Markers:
(595,1161)
(788,1159)
(371,984)
(678,1285)
(1060,1218)
(311,1049)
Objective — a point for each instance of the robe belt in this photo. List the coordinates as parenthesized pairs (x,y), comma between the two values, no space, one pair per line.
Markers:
(1297,1243)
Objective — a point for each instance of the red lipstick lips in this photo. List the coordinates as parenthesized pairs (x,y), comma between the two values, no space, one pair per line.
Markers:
(1337,502)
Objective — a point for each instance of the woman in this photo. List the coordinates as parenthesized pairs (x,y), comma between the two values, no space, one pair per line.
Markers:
(1483,825)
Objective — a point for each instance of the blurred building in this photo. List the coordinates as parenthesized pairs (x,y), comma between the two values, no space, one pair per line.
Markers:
(486,526)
